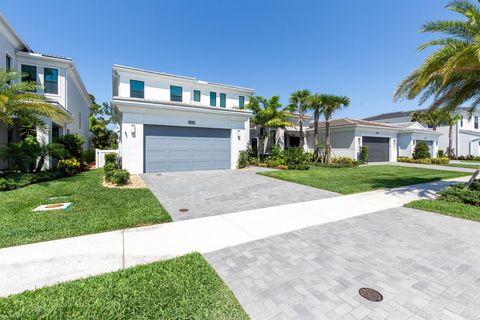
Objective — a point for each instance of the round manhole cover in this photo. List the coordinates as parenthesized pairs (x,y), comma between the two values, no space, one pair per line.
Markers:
(183,210)
(370,294)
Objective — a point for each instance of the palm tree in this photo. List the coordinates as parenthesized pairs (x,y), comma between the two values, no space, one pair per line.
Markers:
(18,101)
(316,103)
(432,118)
(268,114)
(331,103)
(299,103)
(450,121)
(450,76)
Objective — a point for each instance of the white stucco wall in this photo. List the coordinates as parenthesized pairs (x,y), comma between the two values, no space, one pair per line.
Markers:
(79,108)
(157,87)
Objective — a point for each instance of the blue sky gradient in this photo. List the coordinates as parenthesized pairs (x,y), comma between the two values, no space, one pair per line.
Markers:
(361,49)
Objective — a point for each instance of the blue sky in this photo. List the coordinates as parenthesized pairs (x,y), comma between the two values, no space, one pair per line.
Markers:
(361,49)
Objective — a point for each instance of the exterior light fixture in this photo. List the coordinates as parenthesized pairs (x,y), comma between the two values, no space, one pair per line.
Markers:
(134,130)
(239,134)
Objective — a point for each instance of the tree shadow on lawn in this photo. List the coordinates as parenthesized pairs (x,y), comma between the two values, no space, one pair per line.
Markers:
(424,187)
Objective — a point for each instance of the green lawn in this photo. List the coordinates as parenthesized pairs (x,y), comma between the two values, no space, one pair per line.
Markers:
(361,179)
(183,288)
(463,165)
(454,209)
(95,209)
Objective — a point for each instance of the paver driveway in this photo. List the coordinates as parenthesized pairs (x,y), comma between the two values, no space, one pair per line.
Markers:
(427,266)
(208,193)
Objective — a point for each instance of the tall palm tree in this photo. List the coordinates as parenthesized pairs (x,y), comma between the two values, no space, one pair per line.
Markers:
(268,114)
(299,103)
(316,103)
(18,101)
(331,104)
(432,118)
(450,121)
(450,75)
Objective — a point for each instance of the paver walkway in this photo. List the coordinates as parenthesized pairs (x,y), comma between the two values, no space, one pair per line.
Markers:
(213,192)
(427,266)
(40,264)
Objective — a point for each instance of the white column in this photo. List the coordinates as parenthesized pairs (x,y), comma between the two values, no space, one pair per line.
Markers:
(44,136)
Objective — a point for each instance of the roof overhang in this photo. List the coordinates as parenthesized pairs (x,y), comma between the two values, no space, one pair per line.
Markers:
(12,36)
(151,106)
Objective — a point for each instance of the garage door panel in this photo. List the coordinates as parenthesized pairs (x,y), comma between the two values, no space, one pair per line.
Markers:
(185,148)
(378,148)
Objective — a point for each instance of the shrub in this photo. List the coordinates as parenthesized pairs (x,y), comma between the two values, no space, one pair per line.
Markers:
(111,158)
(243,159)
(298,167)
(73,144)
(441,154)
(109,169)
(440,160)
(421,151)
(345,161)
(363,157)
(69,167)
(295,155)
(273,163)
(88,156)
(276,153)
(120,177)
(282,167)
(457,193)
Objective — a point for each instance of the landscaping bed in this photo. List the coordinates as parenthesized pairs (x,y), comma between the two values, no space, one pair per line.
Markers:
(454,201)
(363,178)
(94,209)
(183,288)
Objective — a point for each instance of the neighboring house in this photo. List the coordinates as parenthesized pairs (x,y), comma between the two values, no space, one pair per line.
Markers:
(385,142)
(283,137)
(465,135)
(58,80)
(175,123)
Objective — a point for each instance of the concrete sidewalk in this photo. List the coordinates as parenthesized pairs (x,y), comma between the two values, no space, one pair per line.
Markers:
(36,265)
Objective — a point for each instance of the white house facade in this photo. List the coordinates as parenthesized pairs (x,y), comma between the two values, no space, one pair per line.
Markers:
(176,123)
(385,142)
(465,134)
(58,80)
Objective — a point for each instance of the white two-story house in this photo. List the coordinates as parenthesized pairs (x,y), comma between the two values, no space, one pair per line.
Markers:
(465,134)
(176,123)
(58,80)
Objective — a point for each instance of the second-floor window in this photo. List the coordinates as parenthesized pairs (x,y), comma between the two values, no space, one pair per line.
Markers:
(461,121)
(176,93)
(50,80)
(241,101)
(476,122)
(213,99)
(223,100)
(196,95)
(8,64)
(137,89)
(29,73)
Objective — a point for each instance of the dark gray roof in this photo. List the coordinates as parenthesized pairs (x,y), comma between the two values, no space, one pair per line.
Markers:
(400,114)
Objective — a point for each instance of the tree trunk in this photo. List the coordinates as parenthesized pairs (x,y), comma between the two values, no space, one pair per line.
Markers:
(327,140)
(472,179)
(450,143)
(259,142)
(302,136)
(316,117)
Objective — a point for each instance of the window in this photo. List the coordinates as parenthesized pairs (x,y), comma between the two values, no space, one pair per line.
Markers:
(29,73)
(241,101)
(213,99)
(80,121)
(137,89)
(176,93)
(50,80)
(196,95)
(8,62)
(476,122)
(223,100)
(461,121)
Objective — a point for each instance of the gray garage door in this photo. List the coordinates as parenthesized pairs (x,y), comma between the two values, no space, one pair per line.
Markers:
(377,148)
(182,148)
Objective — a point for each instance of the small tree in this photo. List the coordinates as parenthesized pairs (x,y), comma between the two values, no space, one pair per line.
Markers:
(73,144)
(421,151)
(363,154)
